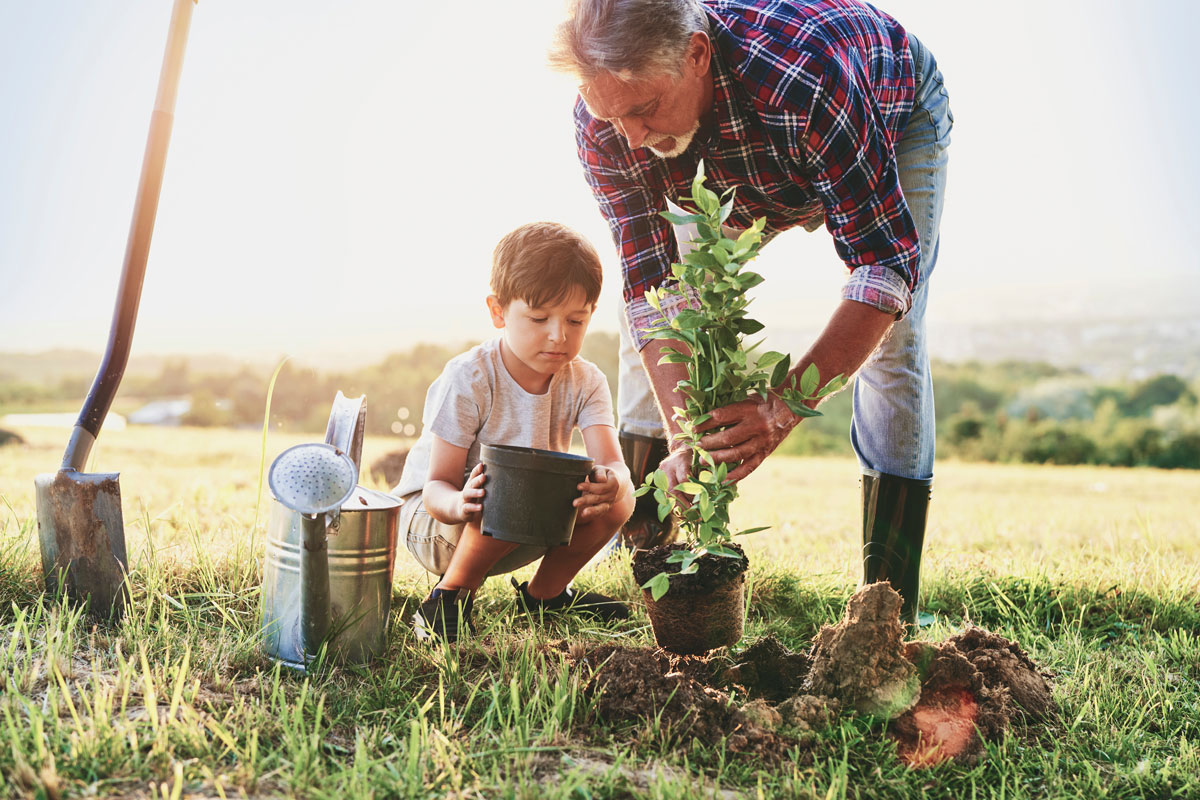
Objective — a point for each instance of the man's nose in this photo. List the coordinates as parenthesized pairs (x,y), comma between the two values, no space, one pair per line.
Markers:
(633,130)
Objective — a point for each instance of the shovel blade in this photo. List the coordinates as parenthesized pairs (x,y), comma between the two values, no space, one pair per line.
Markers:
(82,537)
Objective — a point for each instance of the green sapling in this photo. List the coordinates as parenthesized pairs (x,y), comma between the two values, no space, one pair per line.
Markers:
(720,371)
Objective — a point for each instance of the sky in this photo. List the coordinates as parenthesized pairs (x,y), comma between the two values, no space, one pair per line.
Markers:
(339,173)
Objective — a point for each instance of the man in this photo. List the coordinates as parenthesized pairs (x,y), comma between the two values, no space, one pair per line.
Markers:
(817,111)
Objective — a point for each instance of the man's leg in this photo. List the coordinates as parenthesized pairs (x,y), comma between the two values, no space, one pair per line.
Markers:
(643,443)
(893,428)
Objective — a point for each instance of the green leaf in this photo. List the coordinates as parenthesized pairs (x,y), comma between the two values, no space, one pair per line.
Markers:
(706,506)
(727,207)
(779,374)
(684,219)
(752,530)
(689,319)
(724,552)
(658,585)
(809,380)
(689,487)
(749,280)
(660,480)
(748,326)
(835,384)
(767,359)
(702,258)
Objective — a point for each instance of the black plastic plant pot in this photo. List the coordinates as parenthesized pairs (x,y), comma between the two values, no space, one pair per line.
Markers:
(529,494)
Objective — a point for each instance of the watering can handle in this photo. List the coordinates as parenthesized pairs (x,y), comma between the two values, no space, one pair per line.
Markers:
(347,426)
(137,249)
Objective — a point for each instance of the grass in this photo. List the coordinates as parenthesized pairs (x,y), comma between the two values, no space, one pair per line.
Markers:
(1094,570)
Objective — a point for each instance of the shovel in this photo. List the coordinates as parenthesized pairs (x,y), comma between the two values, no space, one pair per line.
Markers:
(80,528)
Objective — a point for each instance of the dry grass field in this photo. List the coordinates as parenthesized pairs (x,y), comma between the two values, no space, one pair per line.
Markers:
(1095,570)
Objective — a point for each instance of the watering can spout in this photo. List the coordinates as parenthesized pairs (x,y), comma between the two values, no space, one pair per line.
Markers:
(313,480)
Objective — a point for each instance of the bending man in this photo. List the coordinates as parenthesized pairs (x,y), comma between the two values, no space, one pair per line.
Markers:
(818,112)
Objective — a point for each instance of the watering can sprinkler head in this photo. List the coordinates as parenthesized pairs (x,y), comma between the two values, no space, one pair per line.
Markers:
(313,480)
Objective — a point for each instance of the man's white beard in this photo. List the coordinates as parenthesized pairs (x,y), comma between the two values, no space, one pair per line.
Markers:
(681,143)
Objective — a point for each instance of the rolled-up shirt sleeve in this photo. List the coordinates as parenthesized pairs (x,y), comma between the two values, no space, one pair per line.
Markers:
(851,162)
(630,199)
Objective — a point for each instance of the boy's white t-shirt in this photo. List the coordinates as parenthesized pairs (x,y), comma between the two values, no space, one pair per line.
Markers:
(475,401)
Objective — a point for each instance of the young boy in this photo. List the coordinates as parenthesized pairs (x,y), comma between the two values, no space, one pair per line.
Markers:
(529,388)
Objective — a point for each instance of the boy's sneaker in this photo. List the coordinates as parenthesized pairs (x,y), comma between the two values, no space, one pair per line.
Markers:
(445,614)
(594,603)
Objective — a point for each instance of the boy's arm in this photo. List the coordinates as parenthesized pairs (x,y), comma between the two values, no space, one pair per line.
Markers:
(444,496)
(609,486)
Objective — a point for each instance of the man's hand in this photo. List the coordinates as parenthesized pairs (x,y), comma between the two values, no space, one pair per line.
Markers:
(678,466)
(470,508)
(600,492)
(755,428)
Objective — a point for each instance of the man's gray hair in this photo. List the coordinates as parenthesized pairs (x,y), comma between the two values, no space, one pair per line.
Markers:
(628,38)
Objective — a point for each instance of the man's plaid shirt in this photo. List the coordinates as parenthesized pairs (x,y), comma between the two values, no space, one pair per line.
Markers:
(808,101)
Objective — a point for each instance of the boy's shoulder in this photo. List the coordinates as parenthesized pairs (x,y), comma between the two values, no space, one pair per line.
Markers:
(473,362)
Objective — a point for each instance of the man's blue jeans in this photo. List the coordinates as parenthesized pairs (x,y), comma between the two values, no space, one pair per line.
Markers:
(893,427)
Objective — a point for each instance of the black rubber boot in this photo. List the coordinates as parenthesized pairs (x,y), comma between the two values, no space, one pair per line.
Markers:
(643,530)
(894,514)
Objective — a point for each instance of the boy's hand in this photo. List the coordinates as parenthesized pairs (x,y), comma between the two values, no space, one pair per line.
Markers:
(600,491)
(471,508)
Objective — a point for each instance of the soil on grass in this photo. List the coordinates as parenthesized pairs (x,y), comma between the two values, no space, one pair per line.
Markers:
(768,670)
(638,684)
(860,661)
(712,571)
(943,700)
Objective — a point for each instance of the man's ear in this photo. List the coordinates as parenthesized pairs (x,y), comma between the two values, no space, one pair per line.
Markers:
(496,310)
(699,52)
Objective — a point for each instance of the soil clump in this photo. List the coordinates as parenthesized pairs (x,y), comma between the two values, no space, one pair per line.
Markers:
(636,684)
(860,660)
(942,701)
(768,670)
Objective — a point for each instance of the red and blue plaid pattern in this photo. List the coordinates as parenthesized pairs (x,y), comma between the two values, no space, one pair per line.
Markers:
(809,98)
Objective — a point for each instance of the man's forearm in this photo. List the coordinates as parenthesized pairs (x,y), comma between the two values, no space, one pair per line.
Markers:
(852,334)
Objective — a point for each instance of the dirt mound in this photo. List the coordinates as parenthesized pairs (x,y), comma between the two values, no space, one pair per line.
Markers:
(1003,663)
(860,660)
(632,684)
(974,685)
(769,670)
(943,700)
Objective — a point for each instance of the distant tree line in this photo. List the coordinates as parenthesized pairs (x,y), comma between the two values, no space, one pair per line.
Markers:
(1005,411)
(1026,412)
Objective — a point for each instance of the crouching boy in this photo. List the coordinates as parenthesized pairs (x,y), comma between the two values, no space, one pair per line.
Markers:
(527,387)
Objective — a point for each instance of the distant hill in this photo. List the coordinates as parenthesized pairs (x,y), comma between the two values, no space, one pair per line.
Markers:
(51,366)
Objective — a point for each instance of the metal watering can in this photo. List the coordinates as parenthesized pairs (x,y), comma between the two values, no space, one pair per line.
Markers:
(331,547)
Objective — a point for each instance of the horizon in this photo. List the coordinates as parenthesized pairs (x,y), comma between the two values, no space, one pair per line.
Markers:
(315,195)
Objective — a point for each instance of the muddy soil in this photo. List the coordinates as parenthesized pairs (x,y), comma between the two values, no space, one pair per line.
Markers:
(712,571)
(943,700)
(860,661)
(975,685)
(638,684)
(768,670)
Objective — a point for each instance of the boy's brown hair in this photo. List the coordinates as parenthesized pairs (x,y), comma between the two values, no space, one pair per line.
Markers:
(541,262)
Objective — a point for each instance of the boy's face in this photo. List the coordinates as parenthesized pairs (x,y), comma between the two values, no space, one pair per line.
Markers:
(542,339)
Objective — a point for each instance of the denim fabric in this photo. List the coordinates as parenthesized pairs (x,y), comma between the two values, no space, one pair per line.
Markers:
(893,426)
